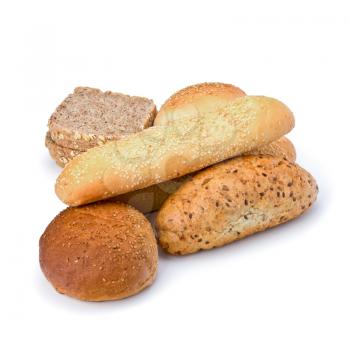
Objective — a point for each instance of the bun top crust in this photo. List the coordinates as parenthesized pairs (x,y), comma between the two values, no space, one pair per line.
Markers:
(196,99)
(103,251)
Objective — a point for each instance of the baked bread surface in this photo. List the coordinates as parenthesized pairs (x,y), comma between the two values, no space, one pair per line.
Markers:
(90,117)
(99,252)
(196,100)
(161,153)
(232,200)
(152,198)
(61,155)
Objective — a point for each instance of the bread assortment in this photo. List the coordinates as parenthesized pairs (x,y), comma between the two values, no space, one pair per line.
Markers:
(214,162)
(161,153)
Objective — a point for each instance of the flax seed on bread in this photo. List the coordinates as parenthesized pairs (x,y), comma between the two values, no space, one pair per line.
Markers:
(89,117)
(232,200)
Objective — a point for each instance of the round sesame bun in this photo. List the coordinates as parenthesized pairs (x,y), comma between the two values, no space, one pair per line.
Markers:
(97,252)
(197,99)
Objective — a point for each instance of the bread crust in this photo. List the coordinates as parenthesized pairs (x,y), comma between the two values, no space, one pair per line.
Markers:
(94,100)
(282,148)
(232,200)
(161,153)
(104,251)
(152,198)
(196,99)
(61,155)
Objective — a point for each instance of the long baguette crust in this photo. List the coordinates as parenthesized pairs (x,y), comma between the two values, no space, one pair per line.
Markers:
(152,198)
(232,200)
(161,153)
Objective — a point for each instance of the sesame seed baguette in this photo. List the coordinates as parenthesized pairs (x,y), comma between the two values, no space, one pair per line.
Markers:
(232,200)
(282,147)
(152,198)
(161,153)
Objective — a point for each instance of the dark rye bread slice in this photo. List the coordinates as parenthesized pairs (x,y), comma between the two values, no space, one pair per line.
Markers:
(90,117)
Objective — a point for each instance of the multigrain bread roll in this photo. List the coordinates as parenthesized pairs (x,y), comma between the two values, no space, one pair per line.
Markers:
(161,153)
(99,252)
(90,117)
(152,198)
(232,200)
(195,100)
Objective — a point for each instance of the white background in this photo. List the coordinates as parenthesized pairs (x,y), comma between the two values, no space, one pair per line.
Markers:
(287,288)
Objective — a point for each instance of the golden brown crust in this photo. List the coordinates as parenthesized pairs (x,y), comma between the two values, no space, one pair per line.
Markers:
(99,252)
(282,148)
(152,198)
(87,101)
(61,155)
(161,153)
(195,99)
(232,200)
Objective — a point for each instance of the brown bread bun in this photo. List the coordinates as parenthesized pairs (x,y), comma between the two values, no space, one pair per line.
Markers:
(99,252)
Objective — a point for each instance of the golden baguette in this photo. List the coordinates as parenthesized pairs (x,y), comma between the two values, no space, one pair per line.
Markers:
(161,153)
(152,198)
